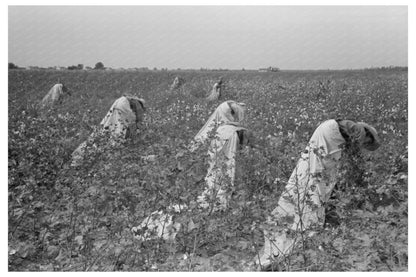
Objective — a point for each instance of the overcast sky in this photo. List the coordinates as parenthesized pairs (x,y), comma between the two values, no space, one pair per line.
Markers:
(234,37)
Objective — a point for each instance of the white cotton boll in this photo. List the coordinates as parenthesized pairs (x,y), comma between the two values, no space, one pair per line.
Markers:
(178,208)
(149,158)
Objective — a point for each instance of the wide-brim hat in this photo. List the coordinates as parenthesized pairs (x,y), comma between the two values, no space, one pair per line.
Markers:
(375,144)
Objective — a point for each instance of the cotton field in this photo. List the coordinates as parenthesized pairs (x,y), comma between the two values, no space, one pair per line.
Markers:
(64,218)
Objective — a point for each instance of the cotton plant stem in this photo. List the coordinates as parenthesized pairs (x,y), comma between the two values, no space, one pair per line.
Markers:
(193,252)
(96,258)
(301,221)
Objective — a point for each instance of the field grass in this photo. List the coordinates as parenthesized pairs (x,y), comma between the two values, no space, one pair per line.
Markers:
(80,220)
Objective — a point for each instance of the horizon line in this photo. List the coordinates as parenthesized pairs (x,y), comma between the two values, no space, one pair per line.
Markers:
(154,68)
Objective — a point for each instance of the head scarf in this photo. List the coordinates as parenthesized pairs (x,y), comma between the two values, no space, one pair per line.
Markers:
(122,115)
(229,111)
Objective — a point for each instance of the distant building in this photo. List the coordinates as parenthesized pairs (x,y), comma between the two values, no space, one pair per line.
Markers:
(269,69)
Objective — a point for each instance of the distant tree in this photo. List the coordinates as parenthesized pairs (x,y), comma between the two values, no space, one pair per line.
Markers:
(88,67)
(99,65)
(13,66)
(72,67)
(80,66)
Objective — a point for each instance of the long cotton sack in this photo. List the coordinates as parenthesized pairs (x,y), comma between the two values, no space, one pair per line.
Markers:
(310,185)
